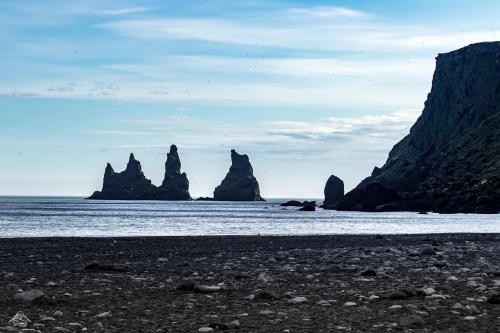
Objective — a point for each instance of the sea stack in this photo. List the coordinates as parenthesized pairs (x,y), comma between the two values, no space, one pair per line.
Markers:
(334,192)
(175,185)
(130,184)
(239,184)
(449,162)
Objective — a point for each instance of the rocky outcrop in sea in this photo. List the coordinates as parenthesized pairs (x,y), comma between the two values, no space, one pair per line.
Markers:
(239,184)
(334,192)
(175,185)
(449,161)
(132,184)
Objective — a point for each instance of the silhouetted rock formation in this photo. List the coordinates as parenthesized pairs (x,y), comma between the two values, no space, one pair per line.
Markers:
(308,206)
(130,184)
(175,185)
(239,183)
(334,192)
(292,203)
(450,160)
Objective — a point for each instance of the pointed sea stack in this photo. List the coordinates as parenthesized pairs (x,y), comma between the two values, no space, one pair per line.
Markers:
(334,192)
(130,184)
(175,185)
(449,162)
(239,184)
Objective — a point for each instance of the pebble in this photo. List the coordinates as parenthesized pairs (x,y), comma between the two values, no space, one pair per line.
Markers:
(411,320)
(206,289)
(264,277)
(350,304)
(428,291)
(495,299)
(297,300)
(398,294)
(29,296)
(106,314)
(205,329)
(428,251)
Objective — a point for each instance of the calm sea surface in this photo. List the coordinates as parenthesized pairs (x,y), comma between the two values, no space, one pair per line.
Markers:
(44,216)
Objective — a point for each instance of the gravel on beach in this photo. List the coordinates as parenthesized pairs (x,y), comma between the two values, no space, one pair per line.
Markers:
(363,283)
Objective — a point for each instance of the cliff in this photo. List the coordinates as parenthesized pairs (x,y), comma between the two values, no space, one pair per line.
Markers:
(449,160)
(239,184)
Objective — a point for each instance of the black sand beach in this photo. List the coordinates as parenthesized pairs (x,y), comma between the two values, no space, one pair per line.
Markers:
(409,283)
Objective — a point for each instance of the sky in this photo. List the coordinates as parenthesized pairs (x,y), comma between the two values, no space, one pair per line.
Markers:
(305,88)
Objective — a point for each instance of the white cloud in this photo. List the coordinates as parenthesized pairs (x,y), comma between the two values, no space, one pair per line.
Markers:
(120,133)
(327,12)
(353,35)
(381,131)
(122,11)
(302,67)
(368,94)
(384,126)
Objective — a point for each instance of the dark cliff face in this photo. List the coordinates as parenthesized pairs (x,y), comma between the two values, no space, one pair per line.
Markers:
(334,192)
(239,184)
(449,160)
(175,185)
(130,184)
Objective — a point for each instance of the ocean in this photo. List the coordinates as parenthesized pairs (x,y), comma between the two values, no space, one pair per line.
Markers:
(77,217)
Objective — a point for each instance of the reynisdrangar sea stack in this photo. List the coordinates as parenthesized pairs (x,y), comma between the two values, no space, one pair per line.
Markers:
(240,183)
(132,184)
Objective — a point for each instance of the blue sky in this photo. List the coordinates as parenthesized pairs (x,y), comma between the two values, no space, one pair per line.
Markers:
(306,88)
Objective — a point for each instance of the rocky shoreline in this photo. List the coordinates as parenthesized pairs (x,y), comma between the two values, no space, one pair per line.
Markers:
(404,283)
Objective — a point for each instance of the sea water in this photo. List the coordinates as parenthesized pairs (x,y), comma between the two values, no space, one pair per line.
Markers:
(71,216)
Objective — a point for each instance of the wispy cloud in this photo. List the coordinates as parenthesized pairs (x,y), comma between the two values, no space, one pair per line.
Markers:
(327,12)
(380,131)
(121,11)
(384,126)
(331,93)
(351,35)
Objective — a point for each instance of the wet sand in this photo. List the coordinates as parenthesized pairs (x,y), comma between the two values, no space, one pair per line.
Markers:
(404,283)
